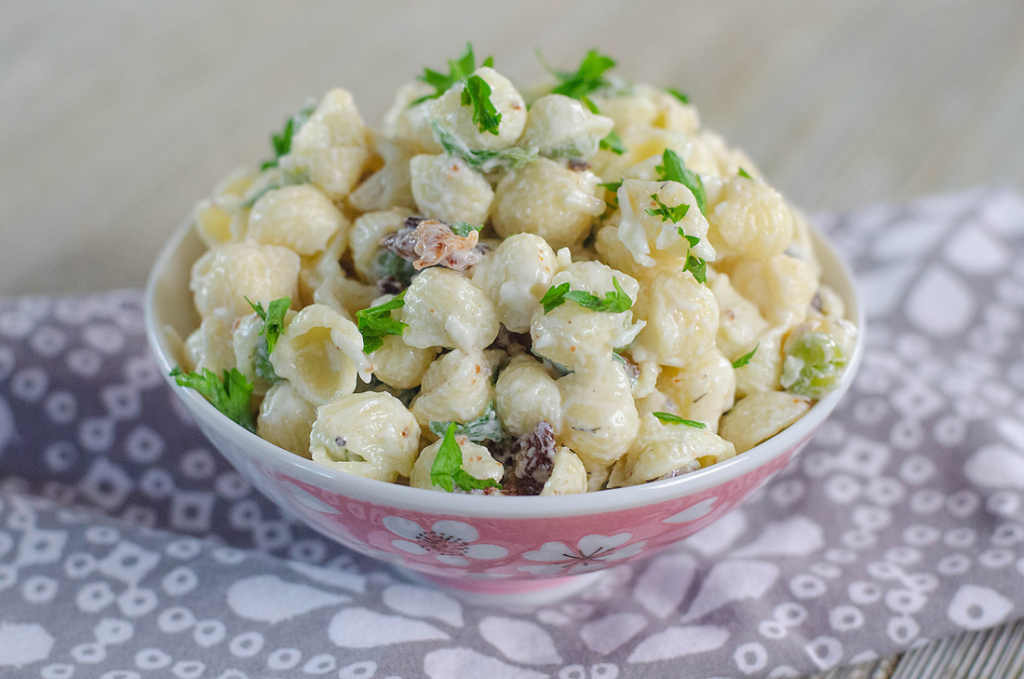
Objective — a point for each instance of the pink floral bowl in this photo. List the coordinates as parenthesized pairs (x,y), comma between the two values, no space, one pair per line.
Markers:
(514,548)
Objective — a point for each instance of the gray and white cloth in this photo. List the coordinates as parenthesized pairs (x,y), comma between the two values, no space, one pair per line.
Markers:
(130,548)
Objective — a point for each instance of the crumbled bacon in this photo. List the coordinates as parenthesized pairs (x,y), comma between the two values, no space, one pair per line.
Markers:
(532,461)
(390,285)
(429,242)
(577,165)
(512,343)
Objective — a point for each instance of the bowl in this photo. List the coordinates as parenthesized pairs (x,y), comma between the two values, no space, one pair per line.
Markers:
(514,548)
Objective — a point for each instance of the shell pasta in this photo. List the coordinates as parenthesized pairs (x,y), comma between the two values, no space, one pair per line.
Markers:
(566,289)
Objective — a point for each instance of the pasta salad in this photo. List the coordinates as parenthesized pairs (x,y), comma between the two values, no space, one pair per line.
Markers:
(567,289)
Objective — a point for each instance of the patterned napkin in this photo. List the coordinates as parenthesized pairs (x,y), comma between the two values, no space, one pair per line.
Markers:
(130,548)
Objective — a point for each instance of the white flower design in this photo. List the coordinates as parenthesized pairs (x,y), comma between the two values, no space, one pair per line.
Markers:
(590,554)
(448,541)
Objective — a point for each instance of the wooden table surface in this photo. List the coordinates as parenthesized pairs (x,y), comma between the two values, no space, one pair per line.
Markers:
(117,116)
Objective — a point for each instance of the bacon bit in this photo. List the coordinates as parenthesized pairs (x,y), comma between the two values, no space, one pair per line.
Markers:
(429,242)
(578,165)
(390,285)
(532,461)
(730,314)
(512,343)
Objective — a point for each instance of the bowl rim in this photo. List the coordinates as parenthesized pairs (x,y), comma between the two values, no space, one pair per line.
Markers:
(508,507)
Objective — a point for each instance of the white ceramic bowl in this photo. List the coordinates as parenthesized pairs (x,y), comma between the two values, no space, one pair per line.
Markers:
(482,544)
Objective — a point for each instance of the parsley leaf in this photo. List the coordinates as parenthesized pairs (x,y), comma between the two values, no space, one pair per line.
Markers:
(390,265)
(587,79)
(692,240)
(482,160)
(613,143)
(478,94)
(744,173)
(273,319)
(447,470)
(614,188)
(698,267)
(745,358)
(282,143)
(668,214)
(554,297)
(458,69)
(672,169)
(614,302)
(681,96)
(231,395)
(376,323)
(487,427)
(669,418)
(463,229)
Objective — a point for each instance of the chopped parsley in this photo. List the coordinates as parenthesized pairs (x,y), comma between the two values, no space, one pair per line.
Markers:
(614,188)
(463,229)
(282,143)
(692,240)
(477,93)
(487,427)
(745,358)
(482,160)
(613,143)
(458,69)
(614,302)
(672,169)
(697,266)
(273,319)
(669,418)
(376,323)
(390,265)
(744,173)
(668,214)
(681,96)
(447,470)
(587,79)
(230,395)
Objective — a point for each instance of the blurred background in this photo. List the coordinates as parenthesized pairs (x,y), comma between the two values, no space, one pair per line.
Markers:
(118,116)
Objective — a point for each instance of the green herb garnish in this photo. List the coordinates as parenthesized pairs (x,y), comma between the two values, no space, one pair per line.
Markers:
(668,214)
(681,96)
(692,240)
(745,358)
(614,302)
(282,143)
(458,69)
(273,319)
(669,418)
(230,395)
(376,323)
(697,266)
(586,80)
(389,264)
(447,470)
(744,173)
(463,229)
(477,93)
(487,427)
(672,169)
(482,160)
(613,143)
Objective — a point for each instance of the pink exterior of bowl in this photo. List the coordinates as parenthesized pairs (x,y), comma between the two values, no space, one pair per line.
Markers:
(481,543)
